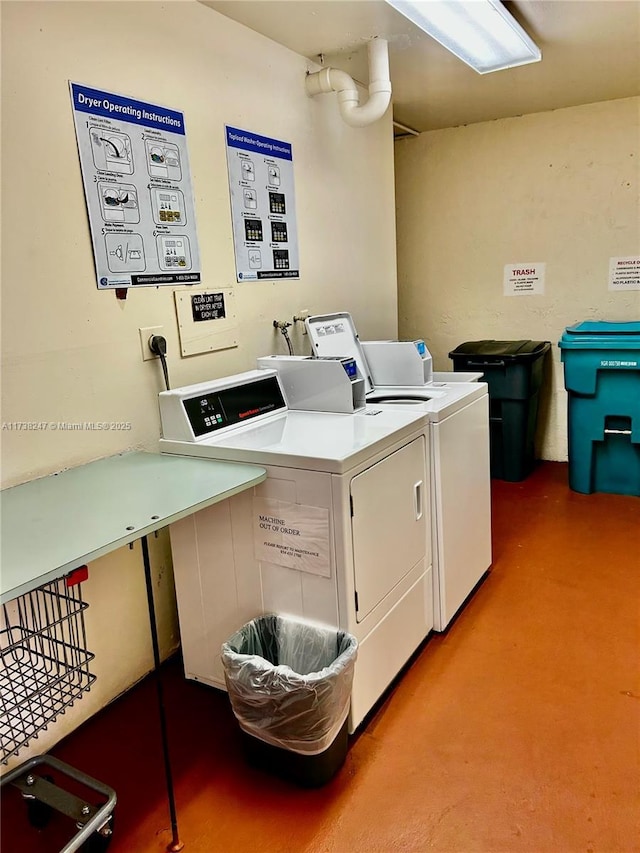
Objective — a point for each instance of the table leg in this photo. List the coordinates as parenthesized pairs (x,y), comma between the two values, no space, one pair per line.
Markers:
(175,844)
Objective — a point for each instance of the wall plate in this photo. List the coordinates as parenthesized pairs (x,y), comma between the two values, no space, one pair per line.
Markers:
(206,320)
(146,333)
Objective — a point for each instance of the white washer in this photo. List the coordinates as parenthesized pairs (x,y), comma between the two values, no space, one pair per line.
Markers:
(458,430)
(355,487)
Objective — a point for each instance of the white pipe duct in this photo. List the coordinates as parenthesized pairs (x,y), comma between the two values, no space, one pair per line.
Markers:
(334,80)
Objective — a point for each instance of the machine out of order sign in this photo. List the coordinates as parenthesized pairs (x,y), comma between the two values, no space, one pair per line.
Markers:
(292,535)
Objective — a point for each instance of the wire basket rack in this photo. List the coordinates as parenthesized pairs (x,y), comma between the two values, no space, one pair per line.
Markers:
(44,661)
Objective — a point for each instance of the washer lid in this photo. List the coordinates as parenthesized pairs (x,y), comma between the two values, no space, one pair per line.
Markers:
(335,335)
(438,401)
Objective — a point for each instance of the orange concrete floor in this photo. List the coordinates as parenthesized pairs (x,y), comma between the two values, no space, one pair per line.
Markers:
(516,730)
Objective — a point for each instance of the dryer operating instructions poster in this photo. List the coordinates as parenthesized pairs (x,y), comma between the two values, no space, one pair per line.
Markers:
(137,184)
(263,206)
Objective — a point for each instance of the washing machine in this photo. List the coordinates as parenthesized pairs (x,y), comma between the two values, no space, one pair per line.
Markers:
(338,533)
(457,416)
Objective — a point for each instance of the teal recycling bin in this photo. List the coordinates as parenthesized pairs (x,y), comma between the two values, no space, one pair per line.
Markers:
(602,377)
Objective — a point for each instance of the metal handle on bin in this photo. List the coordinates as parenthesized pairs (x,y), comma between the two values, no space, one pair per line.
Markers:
(617,432)
(417,499)
(486,364)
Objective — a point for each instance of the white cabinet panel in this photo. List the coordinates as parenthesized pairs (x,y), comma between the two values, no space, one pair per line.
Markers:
(463,493)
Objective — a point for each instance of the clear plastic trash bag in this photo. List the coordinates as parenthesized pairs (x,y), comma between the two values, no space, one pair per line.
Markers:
(289,681)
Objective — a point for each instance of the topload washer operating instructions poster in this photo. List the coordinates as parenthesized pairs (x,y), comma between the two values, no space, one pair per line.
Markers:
(137,184)
(263,207)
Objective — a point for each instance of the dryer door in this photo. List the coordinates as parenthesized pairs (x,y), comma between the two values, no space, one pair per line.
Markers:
(390,507)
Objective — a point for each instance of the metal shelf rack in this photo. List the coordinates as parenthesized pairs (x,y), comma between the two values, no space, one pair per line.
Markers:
(44,669)
(44,661)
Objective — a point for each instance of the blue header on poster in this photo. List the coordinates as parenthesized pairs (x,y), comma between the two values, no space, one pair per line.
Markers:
(107,104)
(248,141)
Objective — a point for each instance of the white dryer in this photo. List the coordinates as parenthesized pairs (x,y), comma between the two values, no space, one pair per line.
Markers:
(339,533)
(458,428)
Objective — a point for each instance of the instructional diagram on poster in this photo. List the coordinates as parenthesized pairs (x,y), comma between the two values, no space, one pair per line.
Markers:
(292,535)
(137,184)
(524,279)
(624,273)
(263,209)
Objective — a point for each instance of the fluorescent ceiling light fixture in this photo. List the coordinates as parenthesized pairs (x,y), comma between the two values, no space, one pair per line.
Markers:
(479,32)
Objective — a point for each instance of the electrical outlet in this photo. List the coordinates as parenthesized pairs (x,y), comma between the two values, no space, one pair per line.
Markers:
(145,334)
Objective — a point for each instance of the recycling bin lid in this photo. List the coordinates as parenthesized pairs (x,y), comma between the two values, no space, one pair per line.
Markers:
(512,351)
(601,334)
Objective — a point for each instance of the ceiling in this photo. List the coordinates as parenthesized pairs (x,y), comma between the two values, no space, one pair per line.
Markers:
(590,52)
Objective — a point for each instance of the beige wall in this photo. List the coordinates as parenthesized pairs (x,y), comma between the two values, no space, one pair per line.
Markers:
(559,188)
(71,353)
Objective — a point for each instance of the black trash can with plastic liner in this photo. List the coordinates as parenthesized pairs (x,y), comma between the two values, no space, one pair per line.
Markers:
(513,371)
(289,684)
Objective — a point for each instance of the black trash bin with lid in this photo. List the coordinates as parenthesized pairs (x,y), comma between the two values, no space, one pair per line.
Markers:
(513,371)
(289,683)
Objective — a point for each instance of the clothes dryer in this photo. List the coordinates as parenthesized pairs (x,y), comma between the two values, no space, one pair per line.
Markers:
(339,533)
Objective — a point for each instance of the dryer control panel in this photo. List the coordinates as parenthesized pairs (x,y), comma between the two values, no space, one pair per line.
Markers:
(218,409)
(197,411)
